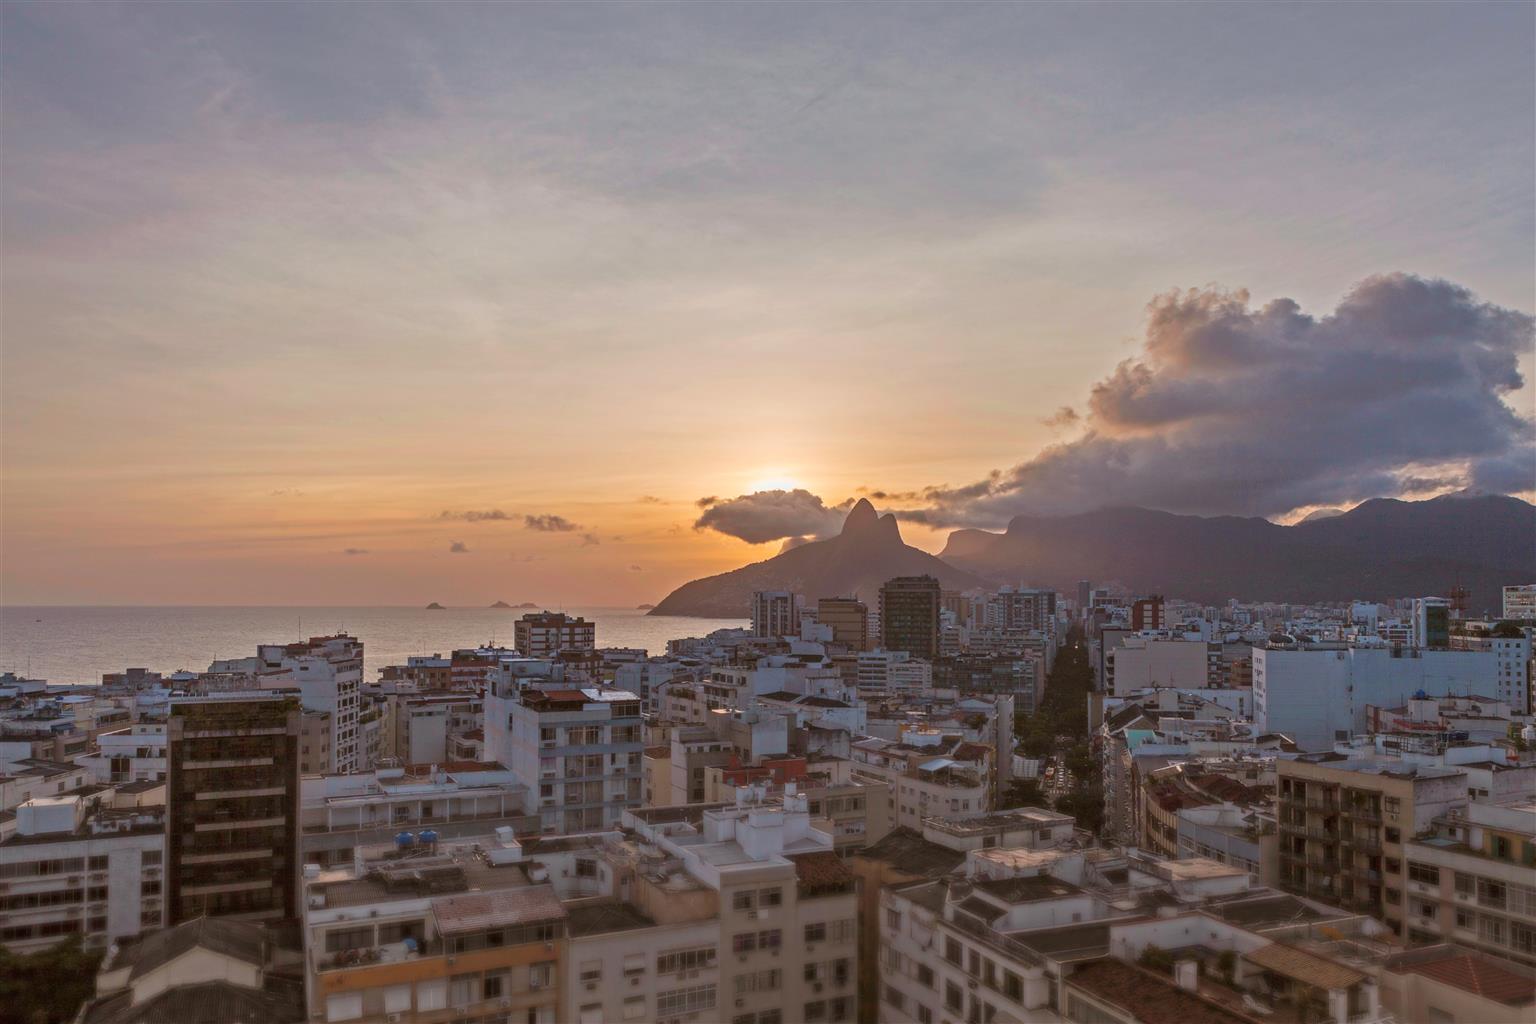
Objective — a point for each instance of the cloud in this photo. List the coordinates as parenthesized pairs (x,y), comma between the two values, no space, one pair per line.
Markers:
(649,499)
(481,516)
(636,568)
(707,502)
(550,524)
(458,547)
(763,516)
(354,551)
(590,540)
(790,543)
(1232,409)
(1066,416)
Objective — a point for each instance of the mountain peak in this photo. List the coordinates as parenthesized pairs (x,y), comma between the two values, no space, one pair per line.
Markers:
(861,517)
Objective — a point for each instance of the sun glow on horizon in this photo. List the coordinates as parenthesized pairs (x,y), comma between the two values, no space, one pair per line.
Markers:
(774,482)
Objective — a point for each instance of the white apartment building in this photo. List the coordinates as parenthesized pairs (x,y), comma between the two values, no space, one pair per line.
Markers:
(132,754)
(1317,694)
(577,751)
(893,673)
(929,775)
(77,865)
(1520,602)
(1148,662)
(327,671)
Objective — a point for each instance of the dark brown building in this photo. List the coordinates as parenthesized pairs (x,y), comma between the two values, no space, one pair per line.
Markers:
(232,833)
(909,616)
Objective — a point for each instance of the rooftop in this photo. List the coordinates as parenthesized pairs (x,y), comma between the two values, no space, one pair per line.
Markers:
(479,911)
(1307,968)
(906,850)
(600,916)
(1472,973)
(1147,997)
(1029,889)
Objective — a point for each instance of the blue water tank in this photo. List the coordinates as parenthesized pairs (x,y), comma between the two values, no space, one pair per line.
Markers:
(405,838)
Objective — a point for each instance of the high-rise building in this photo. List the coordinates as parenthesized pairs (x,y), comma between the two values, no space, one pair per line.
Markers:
(545,634)
(1431,622)
(327,671)
(1084,596)
(848,618)
(909,616)
(232,835)
(775,613)
(1147,613)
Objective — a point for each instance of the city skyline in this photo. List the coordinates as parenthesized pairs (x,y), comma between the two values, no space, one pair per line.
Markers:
(388,305)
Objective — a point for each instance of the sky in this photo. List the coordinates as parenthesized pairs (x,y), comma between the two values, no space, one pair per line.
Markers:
(383,304)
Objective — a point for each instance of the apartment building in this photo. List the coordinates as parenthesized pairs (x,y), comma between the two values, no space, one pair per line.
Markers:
(775,614)
(28,777)
(417,935)
(847,618)
(578,752)
(88,863)
(232,836)
(1472,880)
(909,616)
(341,813)
(327,672)
(928,775)
(883,674)
(546,634)
(135,753)
(1344,824)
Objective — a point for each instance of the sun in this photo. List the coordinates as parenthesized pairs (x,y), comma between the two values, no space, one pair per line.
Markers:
(773,482)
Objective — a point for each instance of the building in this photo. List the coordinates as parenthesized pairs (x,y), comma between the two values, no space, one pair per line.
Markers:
(327,671)
(909,616)
(86,863)
(847,618)
(775,614)
(928,775)
(1431,622)
(1520,602)
(1317,694)
(578,752)
(546,634)
(1147,613)
(1471,881)
(206,970)
(232,836)
(1344,823)
(342,813)
(416,935)
(1140,663)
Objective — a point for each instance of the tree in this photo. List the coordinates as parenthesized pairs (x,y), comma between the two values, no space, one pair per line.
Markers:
(1024,793)
(46,987)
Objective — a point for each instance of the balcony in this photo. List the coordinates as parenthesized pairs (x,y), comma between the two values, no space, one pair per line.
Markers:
(388,953)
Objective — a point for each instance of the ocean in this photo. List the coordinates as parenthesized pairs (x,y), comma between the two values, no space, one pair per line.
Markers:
(74,645)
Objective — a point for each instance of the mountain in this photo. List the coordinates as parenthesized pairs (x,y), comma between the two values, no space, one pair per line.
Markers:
(867,552)
(1322,513)
(1381,549)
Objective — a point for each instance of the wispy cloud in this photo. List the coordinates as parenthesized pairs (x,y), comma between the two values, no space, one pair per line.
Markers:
(550,524)
(476,516)
(458,547)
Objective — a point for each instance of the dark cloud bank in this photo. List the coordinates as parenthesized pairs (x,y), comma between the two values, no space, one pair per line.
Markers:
(1230,409)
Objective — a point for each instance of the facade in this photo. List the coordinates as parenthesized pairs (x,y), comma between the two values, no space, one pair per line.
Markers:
(775,614)
(1520,602)
(578,752)
(1344,825)
(1147,613)
(847,618)
(135,753)
(927,776)
(1144,662)
(327,671)
(76,865)
(232,837)
(1472,881)
(1317,694)
(909,616)
(546,634)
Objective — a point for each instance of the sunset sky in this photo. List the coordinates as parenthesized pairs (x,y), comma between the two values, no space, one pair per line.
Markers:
(386,304)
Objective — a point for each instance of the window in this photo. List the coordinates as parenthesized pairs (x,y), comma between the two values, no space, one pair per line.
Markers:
(677,960)
(462,989)
(894,998)
(952,951)
(1426,873)
(494,985)
(1013,986)
(685,1000)
(924,1015)
(634,1008)
(759,981)
(925,975)
(893,920)
(815,1011)
(745,899)
(953,998)
(541,975)
(816,932)
(149,857)
(845,930)
(591,971)
(770,897)
(586,869)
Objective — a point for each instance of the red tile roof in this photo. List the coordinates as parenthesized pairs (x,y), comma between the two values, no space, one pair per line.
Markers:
(1477,975)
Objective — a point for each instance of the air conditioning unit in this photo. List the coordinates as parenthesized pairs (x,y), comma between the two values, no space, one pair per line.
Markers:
(392,1018)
